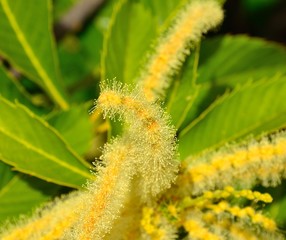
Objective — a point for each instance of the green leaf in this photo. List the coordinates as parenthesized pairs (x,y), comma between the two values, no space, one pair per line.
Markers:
(26,41)
(253,109)
(12,90)
(8,88)
(276,209)
(228,61)
(80,55)
(131,31)
(164,10)
(22,194)
(73,64)
(161,9)
(5,174)
(31,146)
(75,127)
(61,7)
(277,212)
(232,55)
(92,38)
(79,58)
(184,90)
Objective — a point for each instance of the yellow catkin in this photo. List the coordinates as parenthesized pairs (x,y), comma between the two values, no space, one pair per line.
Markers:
(227,193)
(231,229)
(247,214)
(155,226)
(238,223)
(25,232)
(88,214)
(196,230)
(147,149)
(173,210)
(240,233)
(146,221)
(51,222)
(149,130)
(127,226)
(66,219)
(107,194)
(267,158)
(194,20)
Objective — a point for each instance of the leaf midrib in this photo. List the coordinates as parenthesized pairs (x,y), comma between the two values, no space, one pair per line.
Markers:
(32,57)
(243,133)
(45,154)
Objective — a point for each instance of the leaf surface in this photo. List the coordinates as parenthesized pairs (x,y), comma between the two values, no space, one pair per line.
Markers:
(5,174)
(8,88)
(30,145)
(131,31)
(226,62)
(26,41)
(22,194)
(254,109)
(75,127)
(184,90)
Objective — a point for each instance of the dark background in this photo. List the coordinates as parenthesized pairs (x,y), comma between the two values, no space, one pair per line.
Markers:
(260,18)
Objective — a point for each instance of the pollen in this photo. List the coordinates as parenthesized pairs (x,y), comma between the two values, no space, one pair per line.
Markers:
(149,130)
(237,163)
(197,18)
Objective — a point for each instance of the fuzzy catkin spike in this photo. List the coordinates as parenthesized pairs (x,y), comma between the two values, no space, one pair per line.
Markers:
(149,131)
(147,149)
(197,230)
(127,226)
(49,222)
(267,158)
(239,232)
(86,214)
(195,19)
(219,217)
(155,226)
(228,193)
(229,229)
(107,194)
(247,214)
